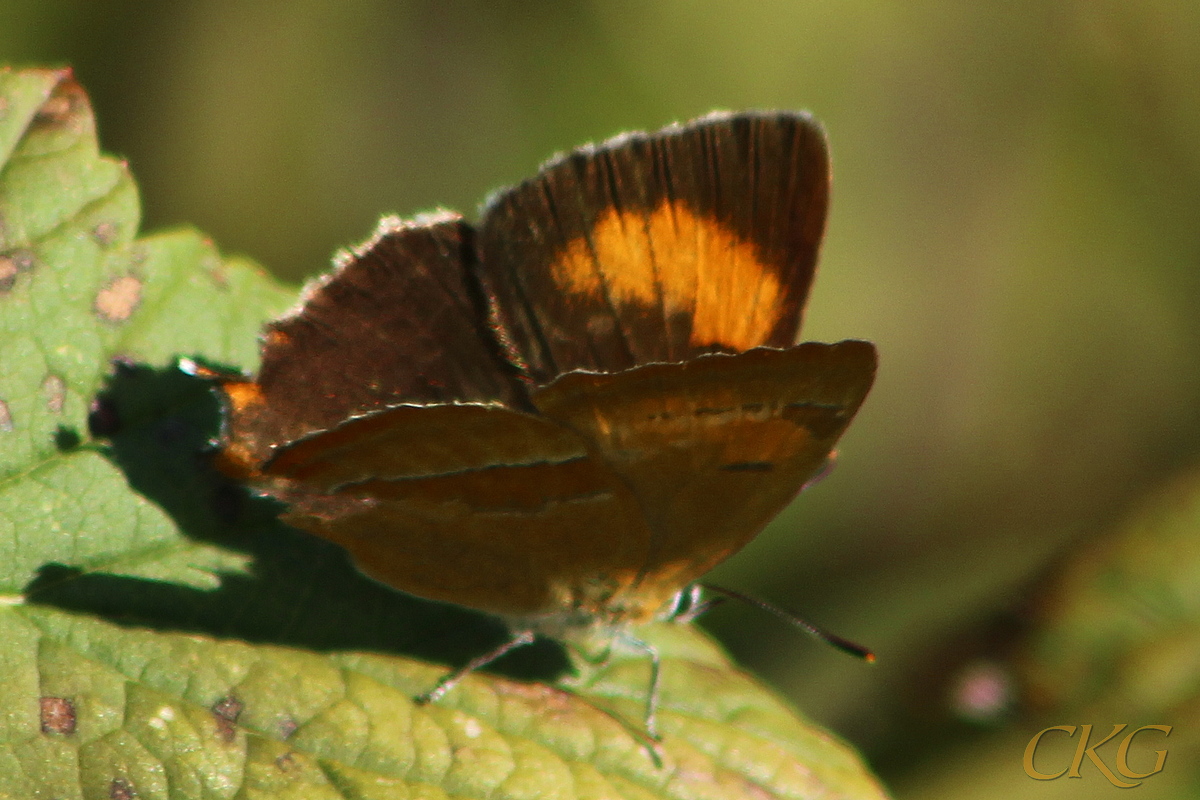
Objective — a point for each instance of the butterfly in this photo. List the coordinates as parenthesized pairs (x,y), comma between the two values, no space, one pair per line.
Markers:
(566,413)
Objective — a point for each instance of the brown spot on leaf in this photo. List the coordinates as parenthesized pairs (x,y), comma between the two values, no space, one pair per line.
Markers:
(8,273)
(286,762)
(122,364)
(13,264)
(61,107)
(226,712)
(218,276)
(54,109)
(117,301)
(287,726)
(549,699)
(58,715)
(6,423)
(105,233)
(226,730)
(121,789)
(228,707)
(55,390)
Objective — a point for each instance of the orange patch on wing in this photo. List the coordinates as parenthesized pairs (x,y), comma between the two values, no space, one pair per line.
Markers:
(245,404)
(684,262)
(242,395)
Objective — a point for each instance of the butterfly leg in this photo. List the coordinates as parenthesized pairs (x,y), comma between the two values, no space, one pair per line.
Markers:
(519,639)
(655,673)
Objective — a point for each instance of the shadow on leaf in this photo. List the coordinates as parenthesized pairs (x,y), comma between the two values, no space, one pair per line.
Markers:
(303,592)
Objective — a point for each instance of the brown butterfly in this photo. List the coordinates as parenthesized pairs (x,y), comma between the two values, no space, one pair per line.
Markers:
(568,413)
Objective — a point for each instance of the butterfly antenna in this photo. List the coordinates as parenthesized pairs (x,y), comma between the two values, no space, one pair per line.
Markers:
(831,639)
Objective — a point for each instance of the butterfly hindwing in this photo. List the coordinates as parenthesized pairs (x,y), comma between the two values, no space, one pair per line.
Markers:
(715,447)
(475,504)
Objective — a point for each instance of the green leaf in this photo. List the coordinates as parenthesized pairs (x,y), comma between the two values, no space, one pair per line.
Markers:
(209,718)
(1119,626)
(1114,639)
(163,635)
(76,291)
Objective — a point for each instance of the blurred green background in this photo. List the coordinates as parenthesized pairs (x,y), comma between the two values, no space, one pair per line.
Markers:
(1014,224)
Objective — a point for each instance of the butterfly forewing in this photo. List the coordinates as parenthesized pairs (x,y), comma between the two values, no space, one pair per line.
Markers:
(401,320)
(697,239)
